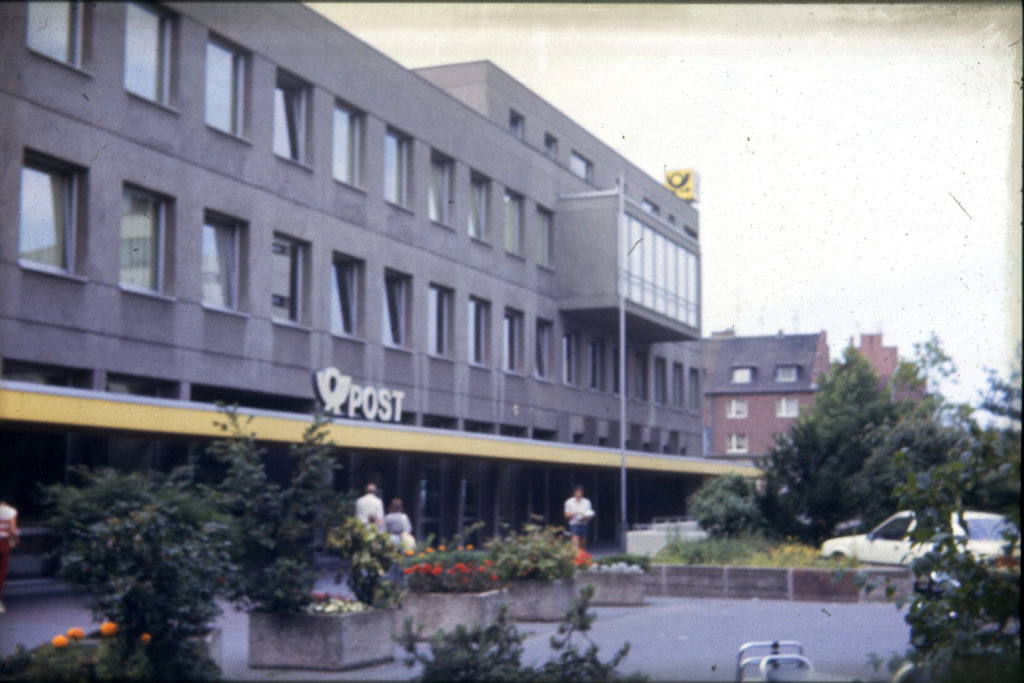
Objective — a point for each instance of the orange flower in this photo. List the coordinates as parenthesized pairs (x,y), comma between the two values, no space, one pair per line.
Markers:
(76,633)
(108,628)
(441,548)
(145,638)
(460,548)
(410,552)
(60,641)
(430,550)
(469,546)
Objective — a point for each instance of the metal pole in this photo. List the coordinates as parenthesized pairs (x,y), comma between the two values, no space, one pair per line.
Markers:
(623,242)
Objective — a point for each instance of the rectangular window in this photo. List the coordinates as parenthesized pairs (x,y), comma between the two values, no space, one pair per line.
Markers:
(736,408)
(142,238)
(677,385)
(650,207)
(660,381)
(570,357)
(742,375)
(543,350)
(640,376)
(55,29)
(786,373)
(693,390)
(478,320)
(513,222)
(221,245)
(595,364)
(47,215)
(439,319)
(737,443)
(516,125)
(545,237)
(580,166)
(479,192)
(225,87)
(396,167)
(347,145)
(147,53)
(615,370)
(396,312)
(346,286)
(512,341)
(290,118)
(550,146)
(440,198)
(287,258)
(787,407)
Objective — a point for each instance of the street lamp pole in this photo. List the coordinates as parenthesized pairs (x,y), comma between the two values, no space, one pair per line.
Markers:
(622,282)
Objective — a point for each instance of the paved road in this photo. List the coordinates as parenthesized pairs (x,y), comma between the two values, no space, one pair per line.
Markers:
(672,638)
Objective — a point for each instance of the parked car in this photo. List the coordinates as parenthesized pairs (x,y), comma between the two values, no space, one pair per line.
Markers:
(890,543)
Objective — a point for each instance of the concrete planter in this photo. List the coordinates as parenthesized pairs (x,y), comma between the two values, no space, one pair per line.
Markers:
(532,600)
(614,588)
(210,645)
(444,611)
(330,642)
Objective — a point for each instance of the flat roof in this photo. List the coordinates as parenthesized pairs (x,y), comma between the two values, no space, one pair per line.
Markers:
(70,408)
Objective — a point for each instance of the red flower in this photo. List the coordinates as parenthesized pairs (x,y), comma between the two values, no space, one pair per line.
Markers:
(408,570)
(494,577)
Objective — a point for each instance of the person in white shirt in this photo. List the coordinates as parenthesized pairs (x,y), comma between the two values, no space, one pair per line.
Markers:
(370,508)
(397,524)
(579,513)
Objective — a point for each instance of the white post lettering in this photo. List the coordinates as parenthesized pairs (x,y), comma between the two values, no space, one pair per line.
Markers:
(398,395)
(385,405)
(370,403)
(355,399)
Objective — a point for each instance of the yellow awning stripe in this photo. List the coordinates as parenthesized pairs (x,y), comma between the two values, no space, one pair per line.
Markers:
(162,418)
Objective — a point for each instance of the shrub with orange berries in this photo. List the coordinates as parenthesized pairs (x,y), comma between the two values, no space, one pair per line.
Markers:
(59,641)
(76,633)
(108,628)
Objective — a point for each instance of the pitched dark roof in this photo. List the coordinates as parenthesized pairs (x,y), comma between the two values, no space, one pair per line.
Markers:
(763,355)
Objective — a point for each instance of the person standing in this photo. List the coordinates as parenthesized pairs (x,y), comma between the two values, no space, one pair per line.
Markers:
(397,524)
(8,539)
(579,513)
(370,508)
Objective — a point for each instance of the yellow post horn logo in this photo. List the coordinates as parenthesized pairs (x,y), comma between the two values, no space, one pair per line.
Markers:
(682,183)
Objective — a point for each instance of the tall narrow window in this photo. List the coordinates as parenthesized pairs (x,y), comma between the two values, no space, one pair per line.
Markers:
(512,340)
(440,189)
(46,218)
(439,319)
(346,285)
(545,237)
(513,222)
(225,87)
(479,190)
(570,357)
(346,145)
(396,167)
(660,379)
(693,390)
(396,302)
(640,376)
(595,364)
(615,370)
(147,53)
(221,243)
(55,30)
(142,237)
(478,320)
(289,118)
(550,146)
(516,125)
(580,166)
(737,443)
(542,353)
(736,408)
(787,406)
(286,266)
(677,385)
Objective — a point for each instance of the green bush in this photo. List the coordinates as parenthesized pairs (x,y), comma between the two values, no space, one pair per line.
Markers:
(153,556)
(274,527)
(494,652)
(728,505)
(370,556)
(536,552)
(747,551)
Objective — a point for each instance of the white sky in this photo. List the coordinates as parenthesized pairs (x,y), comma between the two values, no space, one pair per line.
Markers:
(860,166)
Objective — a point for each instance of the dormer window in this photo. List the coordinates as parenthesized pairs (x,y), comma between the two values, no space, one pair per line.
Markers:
(742,375)
(786,373)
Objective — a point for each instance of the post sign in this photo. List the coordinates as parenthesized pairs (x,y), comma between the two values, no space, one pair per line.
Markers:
(335,390)
(683,183)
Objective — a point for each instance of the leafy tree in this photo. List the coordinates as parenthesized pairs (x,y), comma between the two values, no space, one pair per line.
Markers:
(808,473)
(370,554)
(728,506)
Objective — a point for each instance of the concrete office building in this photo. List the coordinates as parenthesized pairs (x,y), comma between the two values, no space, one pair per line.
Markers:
(204,202)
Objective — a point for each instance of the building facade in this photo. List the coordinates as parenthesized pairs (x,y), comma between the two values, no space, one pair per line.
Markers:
(246,204)
(755,389)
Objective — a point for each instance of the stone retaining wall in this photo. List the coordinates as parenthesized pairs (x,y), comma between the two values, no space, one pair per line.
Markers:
(714,581)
